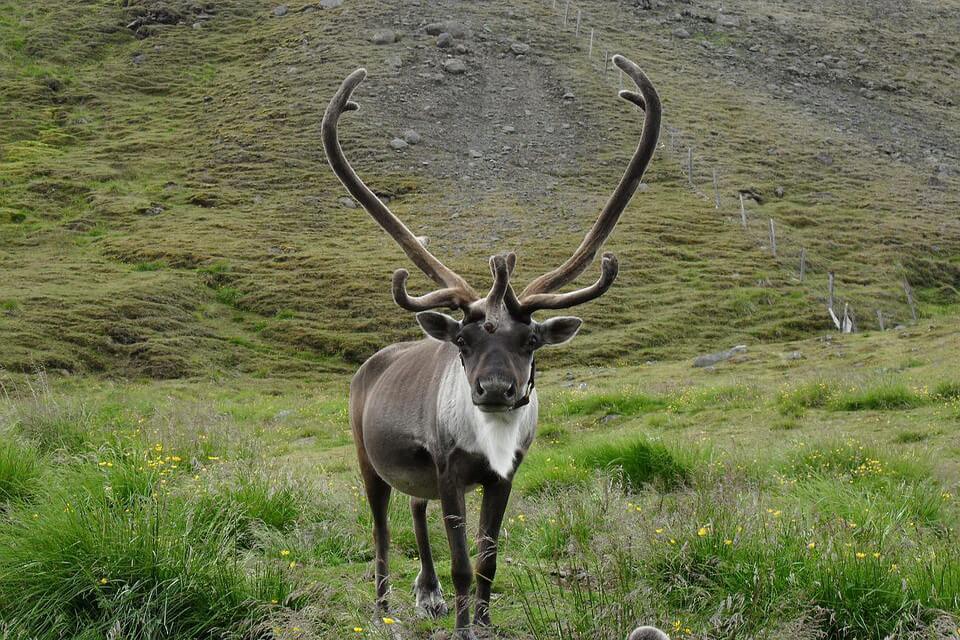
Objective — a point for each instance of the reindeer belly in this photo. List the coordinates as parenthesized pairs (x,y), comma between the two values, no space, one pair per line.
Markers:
(403,463)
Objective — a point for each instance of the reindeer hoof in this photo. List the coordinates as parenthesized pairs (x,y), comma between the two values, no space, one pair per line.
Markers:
(464,634)
(430,603)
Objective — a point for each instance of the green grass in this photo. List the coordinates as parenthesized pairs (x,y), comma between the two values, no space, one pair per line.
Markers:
(639,462)
(20,470)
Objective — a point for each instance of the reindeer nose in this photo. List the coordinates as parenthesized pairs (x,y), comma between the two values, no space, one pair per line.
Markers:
(494,391)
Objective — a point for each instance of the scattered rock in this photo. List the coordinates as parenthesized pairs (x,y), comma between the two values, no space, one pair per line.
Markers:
(385,36)
(455,29)
(609,417)
(398,143)
(473,153)
(825,159)
(793,355)
(724,20)
(461,49)
(280,10)
(778,192)
(411,136)
(330,4)
(444,40)
(507,129)
(711,359)
(455,66)
(681,33)
(568,95)
(348,203)
(520,48)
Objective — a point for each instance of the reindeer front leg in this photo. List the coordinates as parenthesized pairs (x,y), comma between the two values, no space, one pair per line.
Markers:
(455,520)
(495,498)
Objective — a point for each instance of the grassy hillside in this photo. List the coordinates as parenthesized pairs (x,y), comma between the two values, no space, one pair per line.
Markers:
(167,210)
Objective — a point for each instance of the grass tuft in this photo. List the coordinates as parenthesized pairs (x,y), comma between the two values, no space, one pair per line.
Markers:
(639,461)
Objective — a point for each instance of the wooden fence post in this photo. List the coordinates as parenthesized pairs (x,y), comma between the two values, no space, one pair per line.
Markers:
(690,166)
(909,291)
(773,239)
(716,189)
(590,50)
(566,12)
(577,34)
(743,212)
(880,320)
(803,263)
(830,290)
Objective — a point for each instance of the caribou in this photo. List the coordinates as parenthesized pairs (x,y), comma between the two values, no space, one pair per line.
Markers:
(457,410)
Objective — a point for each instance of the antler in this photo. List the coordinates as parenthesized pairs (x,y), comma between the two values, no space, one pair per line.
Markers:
(537,294)
(455,292)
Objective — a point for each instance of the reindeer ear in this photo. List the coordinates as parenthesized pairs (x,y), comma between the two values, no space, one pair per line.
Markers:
(559,330)
(439,326)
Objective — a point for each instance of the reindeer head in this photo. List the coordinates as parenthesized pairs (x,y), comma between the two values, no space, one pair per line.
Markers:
(497,337)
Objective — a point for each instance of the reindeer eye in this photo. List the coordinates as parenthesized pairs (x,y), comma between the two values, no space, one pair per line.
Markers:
(460,342)
(533,342)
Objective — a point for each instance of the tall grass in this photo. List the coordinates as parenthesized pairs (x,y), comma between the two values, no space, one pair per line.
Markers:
(639,461)
(82,559)
(19,470)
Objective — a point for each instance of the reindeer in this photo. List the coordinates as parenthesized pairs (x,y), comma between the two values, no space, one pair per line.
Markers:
(457,410)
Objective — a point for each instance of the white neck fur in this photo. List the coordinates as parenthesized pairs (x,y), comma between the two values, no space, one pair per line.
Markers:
(496,436)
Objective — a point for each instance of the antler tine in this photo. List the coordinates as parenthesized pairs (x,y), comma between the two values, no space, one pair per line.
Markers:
(450,297)
(420,256)
(609,268)
(500,267)
(647,99)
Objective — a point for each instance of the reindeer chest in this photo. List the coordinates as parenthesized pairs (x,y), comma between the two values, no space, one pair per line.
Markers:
(497,441)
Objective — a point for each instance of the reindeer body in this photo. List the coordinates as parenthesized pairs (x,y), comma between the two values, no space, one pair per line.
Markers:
(438,417)
(410,411)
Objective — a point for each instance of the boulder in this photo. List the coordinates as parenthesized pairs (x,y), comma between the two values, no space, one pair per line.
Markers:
(710,359)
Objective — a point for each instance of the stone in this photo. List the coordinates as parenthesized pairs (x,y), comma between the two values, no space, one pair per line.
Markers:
(520,48)
(507,129)
(385,36)
(280,10)
(411,136)
(444,40)
(793,355)
(398,143)
(681,33)
(330,4)
(461,49)
(568,95)
(455,29)
(455,66)
(724,20)
(473,153)
(825,159)
(779,192)
(710,359)
(347,203)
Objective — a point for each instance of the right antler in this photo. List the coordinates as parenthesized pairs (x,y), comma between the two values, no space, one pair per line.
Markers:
(455,292)
(537,294)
